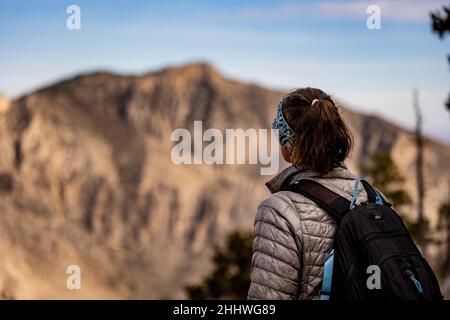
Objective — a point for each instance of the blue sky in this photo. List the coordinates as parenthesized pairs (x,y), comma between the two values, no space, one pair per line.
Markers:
(280,44)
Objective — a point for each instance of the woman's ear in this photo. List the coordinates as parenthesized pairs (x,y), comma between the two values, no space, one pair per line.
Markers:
(286,154)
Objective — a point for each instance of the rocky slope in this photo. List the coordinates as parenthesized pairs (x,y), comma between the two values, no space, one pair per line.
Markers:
(86,178)
(4,104)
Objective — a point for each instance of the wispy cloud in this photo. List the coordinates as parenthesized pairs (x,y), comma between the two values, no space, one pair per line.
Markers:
(396,10)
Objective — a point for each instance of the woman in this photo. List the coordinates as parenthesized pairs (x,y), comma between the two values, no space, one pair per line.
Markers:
(293,236)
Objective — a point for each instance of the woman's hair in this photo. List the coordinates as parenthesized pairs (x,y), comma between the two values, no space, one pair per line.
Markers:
(322,140)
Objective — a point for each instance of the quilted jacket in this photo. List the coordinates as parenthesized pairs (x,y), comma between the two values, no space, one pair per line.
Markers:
(292,236)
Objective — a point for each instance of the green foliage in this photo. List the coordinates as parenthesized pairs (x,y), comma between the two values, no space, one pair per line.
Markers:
(441,21)
(230,277)
(447,104)
(416,228)
(444,213)
(441,26)
(386,177)
(444,224)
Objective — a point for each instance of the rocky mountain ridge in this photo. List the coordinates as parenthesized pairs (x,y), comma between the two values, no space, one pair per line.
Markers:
(86,178)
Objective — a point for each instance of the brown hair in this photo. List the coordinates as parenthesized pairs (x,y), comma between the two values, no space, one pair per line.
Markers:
(322,140)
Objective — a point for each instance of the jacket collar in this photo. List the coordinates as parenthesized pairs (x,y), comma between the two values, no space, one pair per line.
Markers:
(292,173)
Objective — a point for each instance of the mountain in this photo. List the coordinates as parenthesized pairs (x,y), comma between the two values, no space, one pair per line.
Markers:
(4,104)
(86,179)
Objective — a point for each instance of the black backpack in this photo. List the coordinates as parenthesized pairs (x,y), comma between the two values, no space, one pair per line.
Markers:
(368,237)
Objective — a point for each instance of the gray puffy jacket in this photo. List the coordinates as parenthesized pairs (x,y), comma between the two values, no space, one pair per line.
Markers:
(292,236)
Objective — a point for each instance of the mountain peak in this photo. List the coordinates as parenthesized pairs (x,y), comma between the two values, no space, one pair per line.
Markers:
(87,163)
(190,69)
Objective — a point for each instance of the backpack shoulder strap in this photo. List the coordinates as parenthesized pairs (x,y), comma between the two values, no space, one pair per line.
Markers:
(373,195)
(336,205)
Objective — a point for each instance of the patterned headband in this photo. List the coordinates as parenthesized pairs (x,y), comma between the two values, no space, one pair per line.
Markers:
(285,132)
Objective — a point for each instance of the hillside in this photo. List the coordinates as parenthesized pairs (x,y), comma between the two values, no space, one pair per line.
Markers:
(86,178)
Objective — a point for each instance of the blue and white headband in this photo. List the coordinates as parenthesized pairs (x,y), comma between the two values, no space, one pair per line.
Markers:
(285,132)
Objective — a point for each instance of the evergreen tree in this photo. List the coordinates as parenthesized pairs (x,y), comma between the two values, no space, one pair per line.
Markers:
(444,224)
(441,25)
(230,277)
(386,177)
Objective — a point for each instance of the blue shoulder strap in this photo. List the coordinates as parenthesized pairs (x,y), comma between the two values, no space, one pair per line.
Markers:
(355,194)
(327,277)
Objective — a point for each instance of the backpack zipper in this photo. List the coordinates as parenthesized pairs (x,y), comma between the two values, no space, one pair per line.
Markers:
(415,281)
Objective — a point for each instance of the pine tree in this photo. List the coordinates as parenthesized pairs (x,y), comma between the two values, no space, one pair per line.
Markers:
(386,177)
(444,224)
(441,25)
(230,277)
